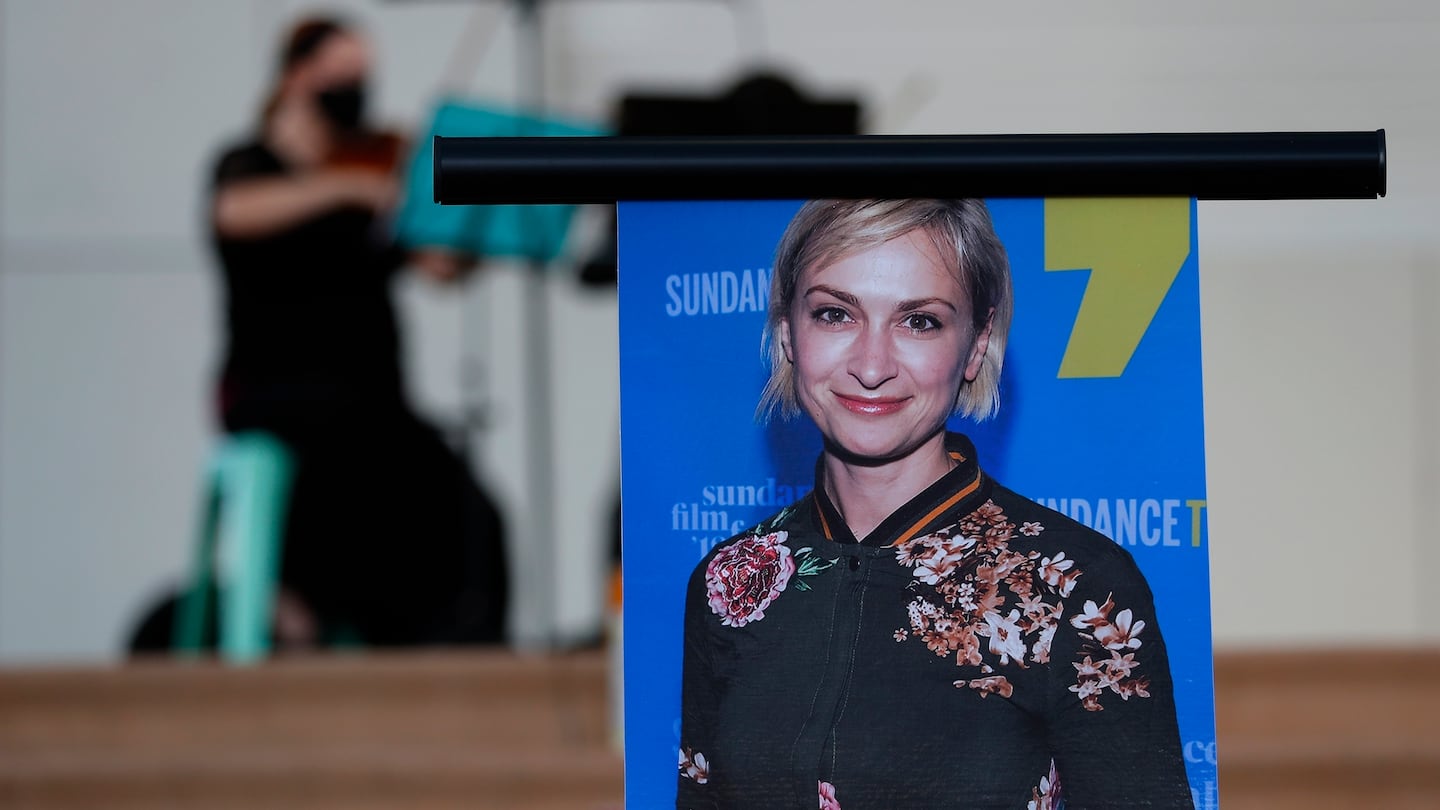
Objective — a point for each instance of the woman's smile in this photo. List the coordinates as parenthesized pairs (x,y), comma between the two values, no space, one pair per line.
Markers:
(872,406)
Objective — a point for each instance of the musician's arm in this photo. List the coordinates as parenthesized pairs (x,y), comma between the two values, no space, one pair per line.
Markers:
(257,207)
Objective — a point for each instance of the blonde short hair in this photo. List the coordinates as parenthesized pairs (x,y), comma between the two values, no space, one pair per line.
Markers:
(824,231)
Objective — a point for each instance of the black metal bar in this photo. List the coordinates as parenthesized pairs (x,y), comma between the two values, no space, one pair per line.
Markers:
(1234,166)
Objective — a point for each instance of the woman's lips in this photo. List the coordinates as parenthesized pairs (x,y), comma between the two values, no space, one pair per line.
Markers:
(872,406)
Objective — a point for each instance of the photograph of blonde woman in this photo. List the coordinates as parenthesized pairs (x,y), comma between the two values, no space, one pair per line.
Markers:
(911,633)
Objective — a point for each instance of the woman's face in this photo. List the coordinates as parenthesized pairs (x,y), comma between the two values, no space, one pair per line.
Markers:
(880,341)
(342,59)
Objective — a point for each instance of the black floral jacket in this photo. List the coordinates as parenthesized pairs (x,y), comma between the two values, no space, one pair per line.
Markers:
(975,651)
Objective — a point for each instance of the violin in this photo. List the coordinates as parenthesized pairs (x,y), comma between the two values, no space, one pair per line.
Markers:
(376,150)
(385,153)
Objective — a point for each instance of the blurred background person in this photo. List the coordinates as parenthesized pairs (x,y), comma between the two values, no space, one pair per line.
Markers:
(389,540)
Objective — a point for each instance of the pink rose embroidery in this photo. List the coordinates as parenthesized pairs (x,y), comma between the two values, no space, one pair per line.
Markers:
(827,797)
(745,577)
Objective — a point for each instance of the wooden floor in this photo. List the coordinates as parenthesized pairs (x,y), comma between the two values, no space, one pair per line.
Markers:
(1326,730)
(1351,729)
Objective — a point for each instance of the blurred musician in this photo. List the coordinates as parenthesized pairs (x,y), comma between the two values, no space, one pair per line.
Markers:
(388,537)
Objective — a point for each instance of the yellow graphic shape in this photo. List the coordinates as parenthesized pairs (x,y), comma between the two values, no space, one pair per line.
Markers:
(1196,507)
(1133,248)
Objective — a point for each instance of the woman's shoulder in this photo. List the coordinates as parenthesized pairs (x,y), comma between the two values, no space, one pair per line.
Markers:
(775,531)
(741,576)
(1038,528)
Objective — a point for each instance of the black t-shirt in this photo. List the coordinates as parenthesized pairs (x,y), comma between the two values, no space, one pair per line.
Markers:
(308,309)
(976,650)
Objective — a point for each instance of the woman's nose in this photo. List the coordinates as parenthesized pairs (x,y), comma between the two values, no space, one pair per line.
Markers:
(872,359)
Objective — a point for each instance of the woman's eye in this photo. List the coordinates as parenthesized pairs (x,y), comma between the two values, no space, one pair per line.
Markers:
(921,323)
(830,315)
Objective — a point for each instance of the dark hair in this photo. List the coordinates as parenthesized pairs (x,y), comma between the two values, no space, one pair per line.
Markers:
(301,42)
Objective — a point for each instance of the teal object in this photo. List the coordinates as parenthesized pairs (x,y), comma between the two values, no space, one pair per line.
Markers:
(237,561)
(534,232)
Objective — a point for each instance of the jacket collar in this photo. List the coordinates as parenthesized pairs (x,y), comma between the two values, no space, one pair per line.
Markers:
(954,495)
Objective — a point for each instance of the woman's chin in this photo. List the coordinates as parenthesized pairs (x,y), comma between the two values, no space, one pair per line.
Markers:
(870,449)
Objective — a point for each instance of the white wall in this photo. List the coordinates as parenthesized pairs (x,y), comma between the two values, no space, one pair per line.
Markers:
(1319,348)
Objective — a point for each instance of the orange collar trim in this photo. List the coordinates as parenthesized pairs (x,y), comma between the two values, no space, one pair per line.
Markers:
(949,502)
(934,513)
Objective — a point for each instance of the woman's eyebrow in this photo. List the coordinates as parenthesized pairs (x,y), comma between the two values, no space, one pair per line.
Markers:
(831,291)
(917,303)
(902,306)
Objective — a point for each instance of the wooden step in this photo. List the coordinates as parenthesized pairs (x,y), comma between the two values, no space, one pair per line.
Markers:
(1329,729)
(429,730)
(1321,730)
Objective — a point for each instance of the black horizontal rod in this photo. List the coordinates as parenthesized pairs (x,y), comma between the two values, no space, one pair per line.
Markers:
(1215,166)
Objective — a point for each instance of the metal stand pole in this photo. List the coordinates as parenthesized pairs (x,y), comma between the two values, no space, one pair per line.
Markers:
(530,83)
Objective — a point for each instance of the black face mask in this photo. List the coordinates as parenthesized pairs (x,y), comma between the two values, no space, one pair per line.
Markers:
(343,105)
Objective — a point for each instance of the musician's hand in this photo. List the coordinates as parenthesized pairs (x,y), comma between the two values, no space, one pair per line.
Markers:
(443,266)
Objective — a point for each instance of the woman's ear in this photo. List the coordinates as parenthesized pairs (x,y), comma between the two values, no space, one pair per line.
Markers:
(978,349)
(785,340)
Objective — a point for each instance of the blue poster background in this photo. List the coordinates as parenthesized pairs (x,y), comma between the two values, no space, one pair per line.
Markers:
(1122,454)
